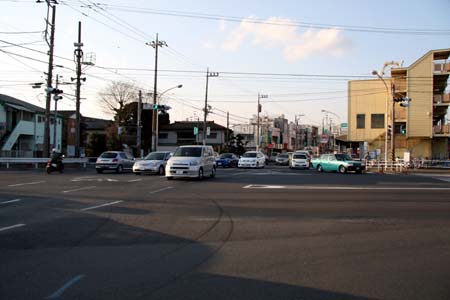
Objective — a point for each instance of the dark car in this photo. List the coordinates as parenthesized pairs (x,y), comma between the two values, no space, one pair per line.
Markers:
(227,160)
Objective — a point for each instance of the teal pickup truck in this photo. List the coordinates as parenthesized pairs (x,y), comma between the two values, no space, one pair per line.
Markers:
(341,163)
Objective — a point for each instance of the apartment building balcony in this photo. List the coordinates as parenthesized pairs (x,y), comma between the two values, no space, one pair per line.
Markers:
(441,99)
(441,130)
(442,67)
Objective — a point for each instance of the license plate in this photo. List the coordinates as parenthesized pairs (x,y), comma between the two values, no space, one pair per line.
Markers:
(219,164)
(179,172)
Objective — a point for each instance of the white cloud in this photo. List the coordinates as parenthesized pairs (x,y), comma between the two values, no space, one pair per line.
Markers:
(222,25)
(294,45)
(207,44)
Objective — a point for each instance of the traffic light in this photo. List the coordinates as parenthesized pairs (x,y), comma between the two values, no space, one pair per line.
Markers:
(404,101)
(389,130)
(155,106)
(403,129)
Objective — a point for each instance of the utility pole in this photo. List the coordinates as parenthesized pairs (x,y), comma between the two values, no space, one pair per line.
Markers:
(297,118)
(260,96)
(206,109)
(228,127)
(139,127)
(51,44)
(155,44)
(78,55)
(393,125)
(56,97)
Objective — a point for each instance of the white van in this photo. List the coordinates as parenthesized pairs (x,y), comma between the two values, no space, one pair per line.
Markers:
(191,161)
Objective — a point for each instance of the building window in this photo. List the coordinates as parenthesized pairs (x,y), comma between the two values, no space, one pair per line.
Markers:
(377,120)
(163,136)
(361,121)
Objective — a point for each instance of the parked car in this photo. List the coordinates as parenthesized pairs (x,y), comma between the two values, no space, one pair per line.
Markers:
(114,160)
(282,159)
(191,161)
(227,160)
(341,163)
(273,156)
(252,159)
(154,162)
(299,160)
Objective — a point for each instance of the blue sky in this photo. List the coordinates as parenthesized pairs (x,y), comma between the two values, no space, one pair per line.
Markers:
(117,31)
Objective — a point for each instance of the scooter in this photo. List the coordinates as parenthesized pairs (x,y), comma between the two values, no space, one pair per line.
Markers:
(55,166)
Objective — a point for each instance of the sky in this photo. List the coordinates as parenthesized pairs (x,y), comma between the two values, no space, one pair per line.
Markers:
(300,54)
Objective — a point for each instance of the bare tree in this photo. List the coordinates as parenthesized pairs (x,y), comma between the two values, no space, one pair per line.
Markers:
(116,96)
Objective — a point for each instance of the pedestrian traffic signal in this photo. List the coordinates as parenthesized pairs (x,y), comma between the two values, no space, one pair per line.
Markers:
(389,130)
(403,129)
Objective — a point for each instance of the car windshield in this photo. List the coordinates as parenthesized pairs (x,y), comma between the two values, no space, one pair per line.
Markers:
(249,154)
(109,155)
(343,157)
(226,155)
(283,156)
(155,156)
(300,156)
(188,152)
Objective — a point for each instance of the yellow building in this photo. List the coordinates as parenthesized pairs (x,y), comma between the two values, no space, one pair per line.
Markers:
(419,128)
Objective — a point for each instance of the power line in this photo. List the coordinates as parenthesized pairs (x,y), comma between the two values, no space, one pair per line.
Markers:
(289,23)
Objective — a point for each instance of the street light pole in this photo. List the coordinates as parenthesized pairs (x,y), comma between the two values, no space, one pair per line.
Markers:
(157,115)
(206,110)
(374,72)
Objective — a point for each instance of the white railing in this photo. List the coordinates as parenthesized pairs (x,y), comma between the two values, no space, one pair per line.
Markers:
(36,161)
(401,166)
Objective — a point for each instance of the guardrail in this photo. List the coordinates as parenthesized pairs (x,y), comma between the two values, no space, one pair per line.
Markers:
(36,161)
(401,166)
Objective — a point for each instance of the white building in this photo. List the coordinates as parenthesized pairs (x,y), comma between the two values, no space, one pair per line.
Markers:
(22,128)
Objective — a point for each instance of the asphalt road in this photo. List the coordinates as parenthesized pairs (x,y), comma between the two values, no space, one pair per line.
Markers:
(271,233)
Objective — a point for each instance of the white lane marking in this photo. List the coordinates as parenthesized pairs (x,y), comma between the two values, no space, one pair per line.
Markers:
(28,183)
(101,205)
(11,227)
(134,180)
(79,189)
(160,190)
(61,290)
(11,201)
(309,187)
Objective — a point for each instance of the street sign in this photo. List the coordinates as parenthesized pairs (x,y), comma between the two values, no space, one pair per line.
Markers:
(195,130)
(344,125)
(147,106)
(208,131)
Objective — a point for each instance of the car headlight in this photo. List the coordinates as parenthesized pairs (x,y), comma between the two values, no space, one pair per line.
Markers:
(193,163)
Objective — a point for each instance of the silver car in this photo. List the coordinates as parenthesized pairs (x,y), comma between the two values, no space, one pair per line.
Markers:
(114,160)
(154,162)
(191,161)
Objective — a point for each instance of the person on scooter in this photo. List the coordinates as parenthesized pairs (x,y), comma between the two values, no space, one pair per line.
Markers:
(57,159)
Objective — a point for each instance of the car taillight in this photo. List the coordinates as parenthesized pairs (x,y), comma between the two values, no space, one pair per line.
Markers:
(115,160)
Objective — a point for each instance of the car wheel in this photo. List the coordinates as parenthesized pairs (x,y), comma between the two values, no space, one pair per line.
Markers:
(119,169)
(257,165)
(161,170)
(342,170)
(169,177)
(359,172)
(137,173)
(319,168)
(200,173)
(213,172)
(99,171)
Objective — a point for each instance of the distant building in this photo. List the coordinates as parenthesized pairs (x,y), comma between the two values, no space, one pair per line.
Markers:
(182,133)
(22,127)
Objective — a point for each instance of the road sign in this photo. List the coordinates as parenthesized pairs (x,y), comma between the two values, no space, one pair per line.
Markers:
(344,125)
(195,130)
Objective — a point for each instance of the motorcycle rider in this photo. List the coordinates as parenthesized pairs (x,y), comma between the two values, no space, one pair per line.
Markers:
(56,158)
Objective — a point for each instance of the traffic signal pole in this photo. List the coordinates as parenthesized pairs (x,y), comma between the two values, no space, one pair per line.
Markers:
(393,125)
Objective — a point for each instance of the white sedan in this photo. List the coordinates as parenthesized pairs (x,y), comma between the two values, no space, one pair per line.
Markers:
(252,159)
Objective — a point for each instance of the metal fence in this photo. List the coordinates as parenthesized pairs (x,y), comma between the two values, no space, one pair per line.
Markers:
(36,162)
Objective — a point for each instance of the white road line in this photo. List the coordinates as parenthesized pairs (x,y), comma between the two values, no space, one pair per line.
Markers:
(309,187)
(163,189)
(79,189)
(11,227)
(28,183)
(61,290)
(134,180)
(11,201)
(101,205)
